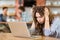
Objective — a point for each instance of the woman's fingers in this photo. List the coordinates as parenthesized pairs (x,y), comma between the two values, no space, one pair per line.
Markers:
(46,12)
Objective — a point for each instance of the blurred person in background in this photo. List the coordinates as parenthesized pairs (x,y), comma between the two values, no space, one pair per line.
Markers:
(19,14)
(3,15)
(3,18)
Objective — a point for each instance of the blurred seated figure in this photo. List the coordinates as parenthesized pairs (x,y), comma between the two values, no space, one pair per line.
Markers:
(3,18)
(18,15)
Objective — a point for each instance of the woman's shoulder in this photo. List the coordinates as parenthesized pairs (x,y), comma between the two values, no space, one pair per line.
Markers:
(56,19)
(55,22)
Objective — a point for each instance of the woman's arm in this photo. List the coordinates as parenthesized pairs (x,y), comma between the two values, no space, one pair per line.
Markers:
(47,29)
(53,28)
(32,29)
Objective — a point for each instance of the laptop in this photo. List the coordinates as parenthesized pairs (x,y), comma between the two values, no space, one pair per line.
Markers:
(20,29)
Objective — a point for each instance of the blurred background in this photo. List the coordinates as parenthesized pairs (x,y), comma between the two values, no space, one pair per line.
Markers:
(13,5)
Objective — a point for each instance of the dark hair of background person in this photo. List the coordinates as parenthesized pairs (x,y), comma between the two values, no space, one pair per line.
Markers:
(5,8)
(22,8)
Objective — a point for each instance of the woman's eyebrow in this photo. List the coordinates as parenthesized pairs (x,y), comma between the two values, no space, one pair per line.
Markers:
(39,16)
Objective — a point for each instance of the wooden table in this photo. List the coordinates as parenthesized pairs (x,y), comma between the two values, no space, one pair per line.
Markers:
(9,36)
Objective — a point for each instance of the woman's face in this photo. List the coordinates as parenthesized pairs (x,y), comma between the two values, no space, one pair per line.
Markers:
(39,18)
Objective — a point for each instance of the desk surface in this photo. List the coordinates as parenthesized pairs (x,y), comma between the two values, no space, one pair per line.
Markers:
(9,36)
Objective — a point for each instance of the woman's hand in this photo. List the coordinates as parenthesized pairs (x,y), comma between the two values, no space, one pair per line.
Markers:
(46,13)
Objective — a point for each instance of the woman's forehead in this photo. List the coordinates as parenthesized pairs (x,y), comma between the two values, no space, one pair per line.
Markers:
(38,15)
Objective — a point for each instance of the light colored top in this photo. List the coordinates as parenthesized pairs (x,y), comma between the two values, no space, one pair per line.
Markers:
(54,29)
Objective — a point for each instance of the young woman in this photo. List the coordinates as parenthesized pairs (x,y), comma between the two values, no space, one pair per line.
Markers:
(44,23)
